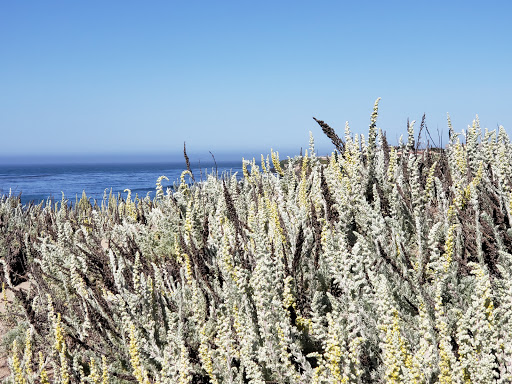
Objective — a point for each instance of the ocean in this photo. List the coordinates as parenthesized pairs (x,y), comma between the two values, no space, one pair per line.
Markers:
(35,183)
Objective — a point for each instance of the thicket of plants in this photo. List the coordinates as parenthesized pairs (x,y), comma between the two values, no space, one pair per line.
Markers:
(383,265)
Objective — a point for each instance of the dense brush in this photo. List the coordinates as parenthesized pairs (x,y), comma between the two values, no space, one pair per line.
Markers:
(382,265)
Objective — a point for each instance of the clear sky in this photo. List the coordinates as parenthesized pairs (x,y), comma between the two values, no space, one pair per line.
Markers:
(133,77)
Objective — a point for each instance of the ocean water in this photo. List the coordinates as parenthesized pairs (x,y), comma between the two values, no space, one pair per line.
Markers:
(42,182)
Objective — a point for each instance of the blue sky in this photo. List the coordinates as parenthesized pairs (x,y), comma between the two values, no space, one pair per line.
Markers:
(108,78)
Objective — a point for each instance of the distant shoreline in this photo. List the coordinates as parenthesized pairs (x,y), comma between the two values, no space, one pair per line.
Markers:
(42,181)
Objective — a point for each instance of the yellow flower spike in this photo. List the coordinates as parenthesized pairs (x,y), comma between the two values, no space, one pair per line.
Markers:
(134,356)
(244,169)
(104,369)
(28,353)
(402,344)
(159,187)
(64,374)
(188,221)
(393,356)
(236,322)
(451,212)
(449,246)
(304,324)
(205,355)
(318,371)
(479,174)
(182,177)
(188,268)
(282,343)
(59,337)
(254,168)
(150,284)
(288,299)
(460,159)
(130,205)
(304,168)
(276,163)
(275,216)
(487,297)
(333,353)
(335,167)
(466,195)
(129,196)
(510,203)
(16,365)
(489,311)
(43,375)
(325,234)
(444,366)
(78,282)
(263,168)
(93,375)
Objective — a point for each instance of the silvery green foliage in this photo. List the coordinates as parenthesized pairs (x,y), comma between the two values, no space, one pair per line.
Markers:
(374,265)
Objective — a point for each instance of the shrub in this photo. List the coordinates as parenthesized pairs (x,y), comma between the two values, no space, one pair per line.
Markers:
(383,264)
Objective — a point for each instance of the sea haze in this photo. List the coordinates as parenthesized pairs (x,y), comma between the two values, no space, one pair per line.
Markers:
(41,182)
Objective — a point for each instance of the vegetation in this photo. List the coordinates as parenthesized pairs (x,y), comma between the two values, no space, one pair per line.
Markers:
(382,265)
